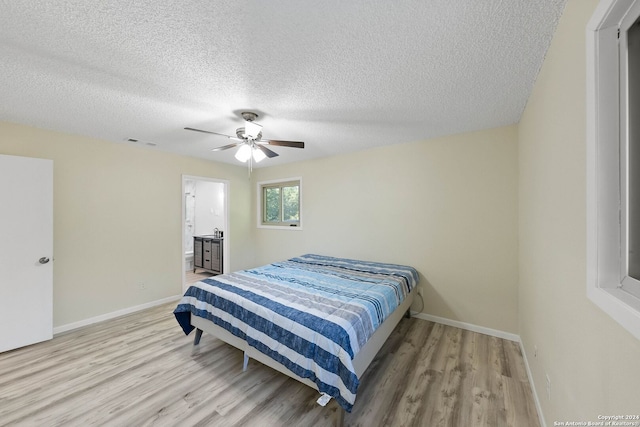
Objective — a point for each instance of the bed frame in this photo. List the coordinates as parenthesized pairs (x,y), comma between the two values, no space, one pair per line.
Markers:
(360,362)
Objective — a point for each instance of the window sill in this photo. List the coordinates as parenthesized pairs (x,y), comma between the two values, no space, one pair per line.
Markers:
(623,307)
(280,227)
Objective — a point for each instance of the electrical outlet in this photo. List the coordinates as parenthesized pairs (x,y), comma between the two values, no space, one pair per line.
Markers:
(548,387)
(142,286)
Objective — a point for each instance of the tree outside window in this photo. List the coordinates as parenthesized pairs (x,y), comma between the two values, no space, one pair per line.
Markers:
(280,202)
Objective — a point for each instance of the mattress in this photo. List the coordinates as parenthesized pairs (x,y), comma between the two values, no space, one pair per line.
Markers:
(312,313)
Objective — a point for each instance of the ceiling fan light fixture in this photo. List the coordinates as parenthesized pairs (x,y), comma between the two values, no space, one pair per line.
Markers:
(251,147)
(252,130)
(244,153)
(258,155)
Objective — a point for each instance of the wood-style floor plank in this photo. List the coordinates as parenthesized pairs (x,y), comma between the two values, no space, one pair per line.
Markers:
(140,370)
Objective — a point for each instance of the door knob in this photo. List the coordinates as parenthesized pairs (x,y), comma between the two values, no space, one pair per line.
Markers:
(43,260)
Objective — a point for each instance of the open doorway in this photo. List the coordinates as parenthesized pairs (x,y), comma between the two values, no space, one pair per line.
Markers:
(205,207)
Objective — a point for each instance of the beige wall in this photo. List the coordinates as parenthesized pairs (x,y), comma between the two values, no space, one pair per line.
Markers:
(593,363)
(446,206)
(117,219)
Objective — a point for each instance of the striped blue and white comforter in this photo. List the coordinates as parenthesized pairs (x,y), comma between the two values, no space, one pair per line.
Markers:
(312,313)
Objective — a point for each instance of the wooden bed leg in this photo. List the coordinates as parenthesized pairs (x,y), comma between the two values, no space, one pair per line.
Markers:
(196,339)
(245,363)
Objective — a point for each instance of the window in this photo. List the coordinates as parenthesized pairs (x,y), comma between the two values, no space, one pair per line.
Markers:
(279,203)
(613,161)
(630,159)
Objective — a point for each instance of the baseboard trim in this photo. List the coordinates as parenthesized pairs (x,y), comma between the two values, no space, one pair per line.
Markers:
(468,326)
(112,315)
(533,385)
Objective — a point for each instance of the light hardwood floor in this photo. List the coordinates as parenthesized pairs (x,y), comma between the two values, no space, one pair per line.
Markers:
(140,370)
(191,277)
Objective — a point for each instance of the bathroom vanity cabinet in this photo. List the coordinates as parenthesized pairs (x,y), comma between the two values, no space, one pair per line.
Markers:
(207,254)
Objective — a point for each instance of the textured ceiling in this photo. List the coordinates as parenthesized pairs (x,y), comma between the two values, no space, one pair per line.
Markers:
(339,75)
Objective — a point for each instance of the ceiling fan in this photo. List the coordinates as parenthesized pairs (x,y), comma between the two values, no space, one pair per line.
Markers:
(249,140)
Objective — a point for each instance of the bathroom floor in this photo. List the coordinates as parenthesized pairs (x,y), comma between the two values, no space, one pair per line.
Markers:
(191,277)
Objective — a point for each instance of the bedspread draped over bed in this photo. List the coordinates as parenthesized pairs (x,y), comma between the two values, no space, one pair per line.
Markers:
(312,313)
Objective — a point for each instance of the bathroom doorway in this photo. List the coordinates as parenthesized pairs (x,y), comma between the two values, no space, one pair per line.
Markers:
(205,207)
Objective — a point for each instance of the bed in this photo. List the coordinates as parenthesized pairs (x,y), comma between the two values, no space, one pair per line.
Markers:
(318,319)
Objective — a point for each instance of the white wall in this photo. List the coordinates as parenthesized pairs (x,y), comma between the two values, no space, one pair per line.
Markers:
(118,219)
(593,363)
(446,206)
(209,207)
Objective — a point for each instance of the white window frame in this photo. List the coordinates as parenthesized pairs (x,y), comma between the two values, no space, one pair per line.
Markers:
(630,284)
(260,204)
(606,143)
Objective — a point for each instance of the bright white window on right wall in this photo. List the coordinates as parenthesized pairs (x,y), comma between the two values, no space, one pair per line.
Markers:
(613,161)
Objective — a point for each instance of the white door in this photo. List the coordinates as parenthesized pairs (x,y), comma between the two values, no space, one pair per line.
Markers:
(26,251)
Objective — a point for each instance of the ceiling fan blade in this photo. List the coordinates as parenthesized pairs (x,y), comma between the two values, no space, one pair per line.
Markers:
(226,147)
(266,151)
(208,131)
(294,144)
